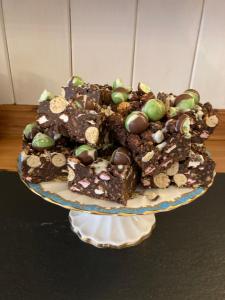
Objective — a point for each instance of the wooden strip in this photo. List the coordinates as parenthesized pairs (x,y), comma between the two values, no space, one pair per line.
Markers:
(20,115)
(6,91)
(102,39)
(20,107)
(13,118)
(217,150)
(209,69)
(10,148)
(38,42)
(165,44)
(219,133)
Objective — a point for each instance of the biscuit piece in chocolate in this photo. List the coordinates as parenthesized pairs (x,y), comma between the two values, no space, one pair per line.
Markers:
(44,166)
(84,126)
(51,115)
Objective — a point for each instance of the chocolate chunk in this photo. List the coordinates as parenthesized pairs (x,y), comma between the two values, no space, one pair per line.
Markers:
(121,156)
(86,154)
(146,97)
(136,122)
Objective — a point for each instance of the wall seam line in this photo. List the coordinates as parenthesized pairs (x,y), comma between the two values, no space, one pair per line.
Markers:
(70,38)
(134,42)
(7,51)
(193,67)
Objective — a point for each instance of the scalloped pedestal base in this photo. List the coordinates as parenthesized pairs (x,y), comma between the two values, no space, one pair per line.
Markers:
(105,231)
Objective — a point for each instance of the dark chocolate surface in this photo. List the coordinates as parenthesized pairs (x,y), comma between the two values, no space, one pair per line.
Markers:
(41,258)
(102,180)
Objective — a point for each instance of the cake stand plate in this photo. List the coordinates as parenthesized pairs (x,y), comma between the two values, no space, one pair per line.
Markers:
(104,231)
(107,224)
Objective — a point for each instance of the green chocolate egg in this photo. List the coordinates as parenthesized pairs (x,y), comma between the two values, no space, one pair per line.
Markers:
(86,154)
(184,102)
(194,94)
(42,141)
(46,95)
(155,109)
(186,128)
(28,130)
(136,122)
(119,95)
(172,112)
(77,81)
(117,83)
(143,88)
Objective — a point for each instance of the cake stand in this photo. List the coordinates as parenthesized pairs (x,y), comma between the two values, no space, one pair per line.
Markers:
(106,224)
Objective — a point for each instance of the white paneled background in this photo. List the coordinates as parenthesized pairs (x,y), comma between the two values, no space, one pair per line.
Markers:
(169,44)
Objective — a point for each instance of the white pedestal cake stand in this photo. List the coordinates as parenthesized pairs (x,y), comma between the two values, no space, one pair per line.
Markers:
(106,224)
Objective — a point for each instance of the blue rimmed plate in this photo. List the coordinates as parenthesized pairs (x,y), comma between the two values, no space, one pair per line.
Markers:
(171,198)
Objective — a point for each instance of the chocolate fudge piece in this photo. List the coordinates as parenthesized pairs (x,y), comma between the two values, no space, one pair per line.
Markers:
(74,90)
(32,129)
(84,126)
(196,170)
(43,158)
(103,179)
(105,94)
(155,149)
(61,117)
(43,166)
(204,124)
(51,116)
(95,93)
(162,139)
(202,116)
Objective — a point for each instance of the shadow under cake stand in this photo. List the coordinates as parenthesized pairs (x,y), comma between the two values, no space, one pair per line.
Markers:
(107,224)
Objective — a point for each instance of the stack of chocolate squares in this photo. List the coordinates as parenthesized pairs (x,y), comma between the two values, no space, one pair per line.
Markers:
(107,139)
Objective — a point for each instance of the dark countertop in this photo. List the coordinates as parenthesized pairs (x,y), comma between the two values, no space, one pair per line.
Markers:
(41,258)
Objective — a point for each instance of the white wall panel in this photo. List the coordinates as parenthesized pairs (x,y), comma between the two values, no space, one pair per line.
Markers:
(6,92)
(103,39)
(167,33)
(38,43)
(209,69)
